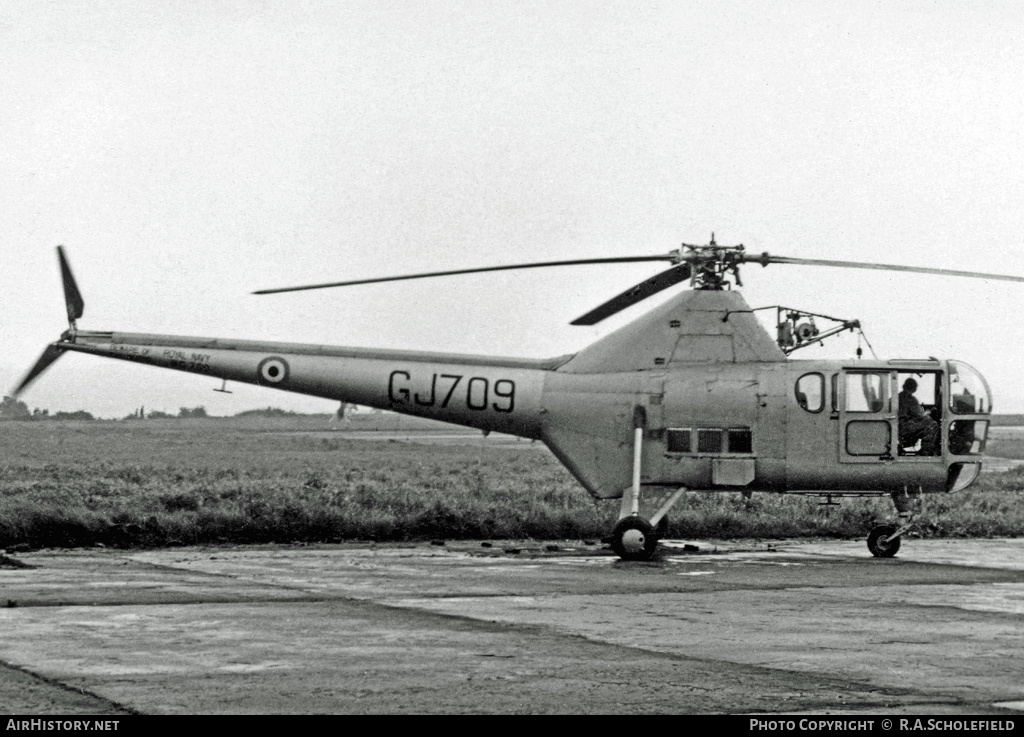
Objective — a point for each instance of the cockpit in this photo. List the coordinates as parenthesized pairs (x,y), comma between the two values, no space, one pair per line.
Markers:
(914,412)
(922,410)
(968,395)
(944,413)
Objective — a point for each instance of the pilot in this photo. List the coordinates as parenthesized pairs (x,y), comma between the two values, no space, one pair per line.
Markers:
(915,424)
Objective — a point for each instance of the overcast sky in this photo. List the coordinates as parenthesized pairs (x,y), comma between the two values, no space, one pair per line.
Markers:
(187,153)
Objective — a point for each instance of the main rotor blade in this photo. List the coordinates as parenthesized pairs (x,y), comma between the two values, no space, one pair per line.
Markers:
(51,354)
(766,259)
(638,293)
(576,262)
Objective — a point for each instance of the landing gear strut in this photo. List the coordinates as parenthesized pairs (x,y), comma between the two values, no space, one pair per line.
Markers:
(635,538)
(884,540)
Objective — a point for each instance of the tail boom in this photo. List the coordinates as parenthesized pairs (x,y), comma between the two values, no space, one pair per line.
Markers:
(488,393)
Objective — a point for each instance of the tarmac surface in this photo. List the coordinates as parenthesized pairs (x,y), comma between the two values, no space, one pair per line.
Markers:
(557,627)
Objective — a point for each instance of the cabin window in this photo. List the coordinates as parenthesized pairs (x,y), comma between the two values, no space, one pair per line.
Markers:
(810,392)
(867,391)
(967,437)
(741,440)
(709,440)
(679,440)
(968,391)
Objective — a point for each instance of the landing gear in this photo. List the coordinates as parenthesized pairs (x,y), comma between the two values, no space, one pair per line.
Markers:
(634,538)
(882,543)
(884,540)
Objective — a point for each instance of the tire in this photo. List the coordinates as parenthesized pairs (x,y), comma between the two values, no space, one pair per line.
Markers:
(634,539)
(879,543)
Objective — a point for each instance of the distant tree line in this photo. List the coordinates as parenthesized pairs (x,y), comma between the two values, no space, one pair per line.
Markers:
(200,412)
(183,413)
(15,409)
(268,412)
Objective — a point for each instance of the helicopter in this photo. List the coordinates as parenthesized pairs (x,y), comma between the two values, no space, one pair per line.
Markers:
(694,395)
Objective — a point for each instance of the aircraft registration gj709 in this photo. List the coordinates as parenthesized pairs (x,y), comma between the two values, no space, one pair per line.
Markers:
(694,395)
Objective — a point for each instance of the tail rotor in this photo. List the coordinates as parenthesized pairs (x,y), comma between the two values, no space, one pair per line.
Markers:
(75,306)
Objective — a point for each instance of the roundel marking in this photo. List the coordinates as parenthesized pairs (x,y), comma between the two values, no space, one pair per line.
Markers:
(273,370)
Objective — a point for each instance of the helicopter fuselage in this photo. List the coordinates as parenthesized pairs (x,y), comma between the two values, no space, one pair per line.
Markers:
(692,395)
(778,425)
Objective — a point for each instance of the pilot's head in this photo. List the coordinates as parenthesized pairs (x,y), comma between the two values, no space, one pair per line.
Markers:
(910,386)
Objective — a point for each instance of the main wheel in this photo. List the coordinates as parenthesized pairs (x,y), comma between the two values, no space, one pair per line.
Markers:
(634,539)
(880,544)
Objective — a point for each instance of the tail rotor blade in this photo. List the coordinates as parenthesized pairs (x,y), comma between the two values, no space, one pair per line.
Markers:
(72,297)
(51,354)
(643,290)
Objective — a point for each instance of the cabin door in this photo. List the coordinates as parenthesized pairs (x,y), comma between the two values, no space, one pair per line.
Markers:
(867,416)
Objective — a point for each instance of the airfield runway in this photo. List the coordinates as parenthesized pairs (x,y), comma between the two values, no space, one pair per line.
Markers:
(817,627)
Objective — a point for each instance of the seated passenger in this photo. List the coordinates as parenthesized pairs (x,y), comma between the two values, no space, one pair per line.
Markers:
(915,424)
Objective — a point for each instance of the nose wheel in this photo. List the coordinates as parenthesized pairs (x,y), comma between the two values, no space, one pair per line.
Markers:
(883,542)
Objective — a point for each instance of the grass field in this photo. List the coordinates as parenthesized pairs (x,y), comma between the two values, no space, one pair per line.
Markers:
(1006,442)
(245,480)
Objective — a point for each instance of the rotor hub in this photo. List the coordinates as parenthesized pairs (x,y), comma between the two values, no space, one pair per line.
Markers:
(712,264)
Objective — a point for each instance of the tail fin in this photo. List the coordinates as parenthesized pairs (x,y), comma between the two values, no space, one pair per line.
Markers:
(75,307)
